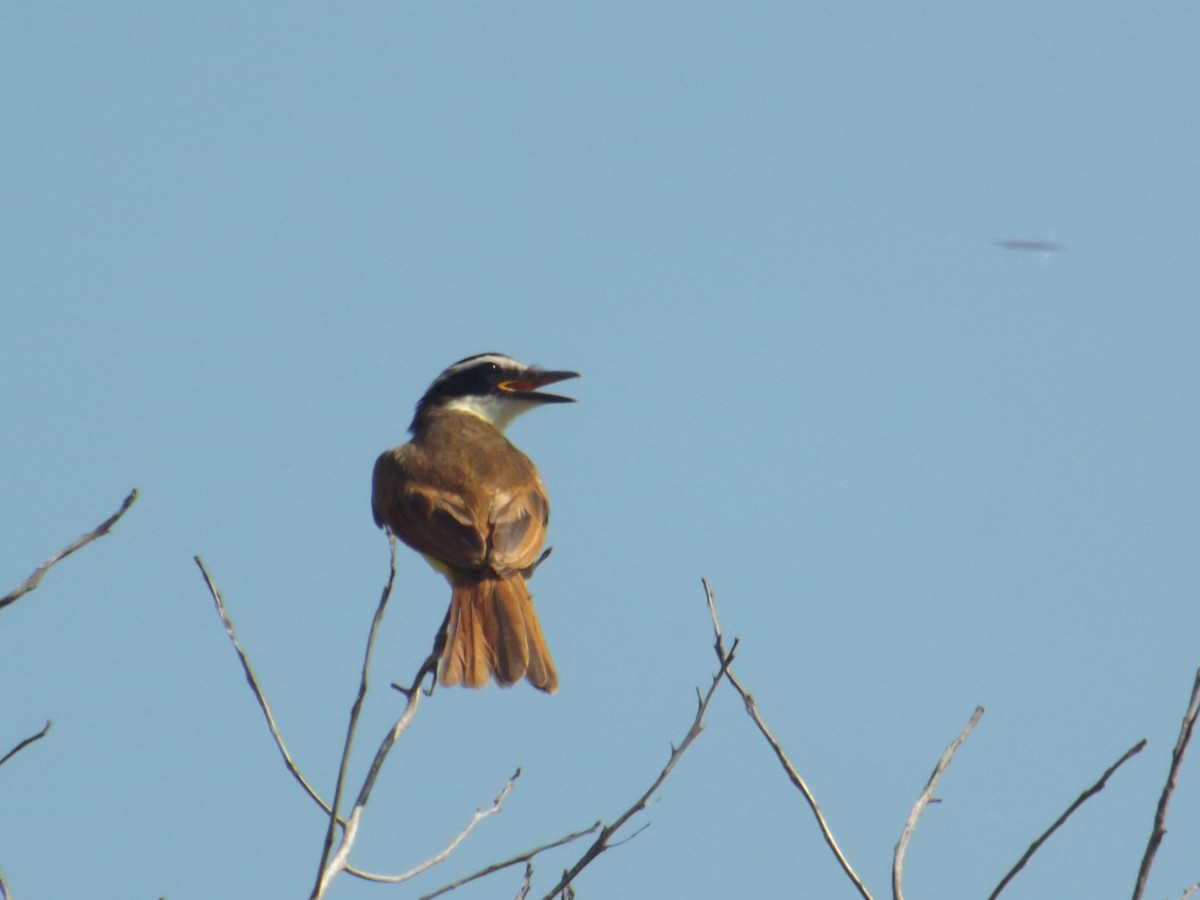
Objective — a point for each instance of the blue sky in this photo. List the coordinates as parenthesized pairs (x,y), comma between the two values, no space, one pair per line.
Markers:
(921,472)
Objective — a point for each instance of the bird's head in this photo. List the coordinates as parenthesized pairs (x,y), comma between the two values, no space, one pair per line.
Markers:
(492,386)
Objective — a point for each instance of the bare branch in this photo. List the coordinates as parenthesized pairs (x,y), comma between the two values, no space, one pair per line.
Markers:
(1189,891)
(441,856)
(1160,814)
(25,743)
(336,863)
(602,841)
(102,529)
(923,800)
(515,860)
(30,584)
(4,894)
(330,866)
(1079,801)
(793,775)
(526,882)
(254,686)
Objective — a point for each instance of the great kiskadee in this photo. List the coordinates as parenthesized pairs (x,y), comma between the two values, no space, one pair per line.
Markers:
(475,506)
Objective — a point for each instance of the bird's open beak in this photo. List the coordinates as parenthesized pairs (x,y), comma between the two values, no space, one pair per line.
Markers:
(526,387)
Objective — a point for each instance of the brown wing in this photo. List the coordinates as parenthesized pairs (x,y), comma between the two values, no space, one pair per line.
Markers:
(518,527)
(431,520)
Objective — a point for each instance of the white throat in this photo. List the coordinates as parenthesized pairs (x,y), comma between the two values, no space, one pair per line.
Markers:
(496,410)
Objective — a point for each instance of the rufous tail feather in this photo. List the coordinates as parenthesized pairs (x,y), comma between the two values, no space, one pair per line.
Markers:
(493,632)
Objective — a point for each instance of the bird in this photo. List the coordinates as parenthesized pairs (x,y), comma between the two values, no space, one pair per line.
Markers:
(474,505)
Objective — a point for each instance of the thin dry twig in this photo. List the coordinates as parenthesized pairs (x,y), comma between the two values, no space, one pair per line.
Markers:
(330,866)
(923,800)
(512,861)
(602,841)
(444,853)
(254,686)
(25,743)
(30,584)
(1188,891)
(337,862)
(526,882)
(1160,814)
(793,775)
(102,529)
(1079,801)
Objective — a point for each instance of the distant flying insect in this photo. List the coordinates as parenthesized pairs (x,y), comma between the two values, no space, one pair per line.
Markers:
(1028,244)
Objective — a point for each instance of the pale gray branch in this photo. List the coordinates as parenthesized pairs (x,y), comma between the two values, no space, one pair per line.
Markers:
(83,540)
(602,841)
(793,775)
(331,865)
(512,861)
(923,800)
(1160,814)
(254,686)
(526,883)
(444,853)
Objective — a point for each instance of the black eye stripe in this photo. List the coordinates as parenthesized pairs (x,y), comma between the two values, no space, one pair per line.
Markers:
(472,379)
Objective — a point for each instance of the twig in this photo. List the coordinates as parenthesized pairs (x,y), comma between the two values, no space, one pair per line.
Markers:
(338,861)
(102,529)
(526,882)
(919,806)
(258,694)
(1160,814)
(479,816)
(1079,801)
(793,775)
(32,582)
(602,840)
(25,743)
(1189,891)
(331,865)
(520,858)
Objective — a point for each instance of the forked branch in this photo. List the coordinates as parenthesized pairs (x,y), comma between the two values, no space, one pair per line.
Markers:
(511,861)
(444,853)
(792,774)
(604,840)
(335,859)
